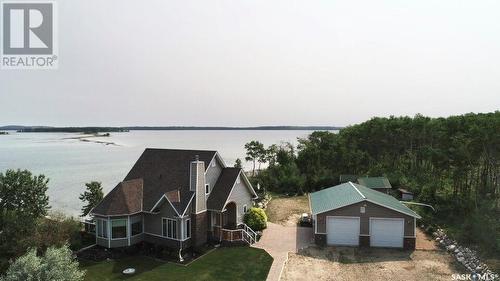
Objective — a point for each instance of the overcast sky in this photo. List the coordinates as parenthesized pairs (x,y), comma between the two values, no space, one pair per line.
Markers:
(245,63)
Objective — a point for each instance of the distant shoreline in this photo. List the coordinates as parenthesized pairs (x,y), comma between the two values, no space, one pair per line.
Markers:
(93,130)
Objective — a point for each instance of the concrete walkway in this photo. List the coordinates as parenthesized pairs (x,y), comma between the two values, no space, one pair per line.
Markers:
(278,240)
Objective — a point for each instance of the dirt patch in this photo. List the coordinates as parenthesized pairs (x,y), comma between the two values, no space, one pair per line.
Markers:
(424,242)
(287,210)
(336,263)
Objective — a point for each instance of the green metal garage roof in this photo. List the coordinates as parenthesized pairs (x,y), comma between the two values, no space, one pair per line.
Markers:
(375,182)
(350,193)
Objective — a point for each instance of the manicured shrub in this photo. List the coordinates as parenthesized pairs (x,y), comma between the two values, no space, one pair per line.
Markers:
(256,219)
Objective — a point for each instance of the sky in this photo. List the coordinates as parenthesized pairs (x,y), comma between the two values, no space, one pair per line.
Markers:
(260,62)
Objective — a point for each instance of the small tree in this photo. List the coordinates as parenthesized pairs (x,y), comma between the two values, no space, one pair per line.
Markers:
(56,264)
(238,164)
(255,150)
(92,196)
(256,219)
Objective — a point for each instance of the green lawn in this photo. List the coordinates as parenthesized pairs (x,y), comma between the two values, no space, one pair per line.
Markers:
(237,263)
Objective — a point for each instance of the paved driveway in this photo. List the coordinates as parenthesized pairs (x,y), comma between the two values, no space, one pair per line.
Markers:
(278,240)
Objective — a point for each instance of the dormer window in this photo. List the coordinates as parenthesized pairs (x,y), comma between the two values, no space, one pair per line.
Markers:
(207,188)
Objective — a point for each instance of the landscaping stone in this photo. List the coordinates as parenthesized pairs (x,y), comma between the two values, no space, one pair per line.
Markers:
(464,255)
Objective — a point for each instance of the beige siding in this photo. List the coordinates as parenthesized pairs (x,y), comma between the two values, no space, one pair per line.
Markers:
(241,196)
(153,222)
(213,174)
(199,181)
(102,242)
(136,239)
(371,211)
(115,243)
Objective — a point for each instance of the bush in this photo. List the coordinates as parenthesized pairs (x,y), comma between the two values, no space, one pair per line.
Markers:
(56,264)
(256,219)
(57,231)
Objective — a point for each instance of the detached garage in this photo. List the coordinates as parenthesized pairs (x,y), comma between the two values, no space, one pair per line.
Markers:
(350,214)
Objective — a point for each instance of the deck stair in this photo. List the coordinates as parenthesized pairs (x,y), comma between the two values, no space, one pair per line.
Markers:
(243,233)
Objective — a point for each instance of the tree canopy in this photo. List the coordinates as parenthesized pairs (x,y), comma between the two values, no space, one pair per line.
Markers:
(24,193)
(452,163)
(23,200)
(255,152)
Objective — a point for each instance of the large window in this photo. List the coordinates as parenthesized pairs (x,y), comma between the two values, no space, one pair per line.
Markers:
(136,228)
(118,229)
(169,228)
(102,228)
(188,228)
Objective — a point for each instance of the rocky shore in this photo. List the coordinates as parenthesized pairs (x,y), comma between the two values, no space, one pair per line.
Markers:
(465,256)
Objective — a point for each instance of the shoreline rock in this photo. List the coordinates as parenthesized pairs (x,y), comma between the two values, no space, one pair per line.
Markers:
(463,255)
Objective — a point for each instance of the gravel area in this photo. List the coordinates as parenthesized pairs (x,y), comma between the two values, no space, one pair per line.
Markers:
(335,263)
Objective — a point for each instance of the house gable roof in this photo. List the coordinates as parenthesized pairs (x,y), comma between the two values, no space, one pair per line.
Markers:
(222,188)
(350,193)
(162,171)
(125,198)
(375,182)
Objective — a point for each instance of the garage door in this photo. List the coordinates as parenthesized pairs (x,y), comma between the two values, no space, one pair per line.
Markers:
(386,232)
(342,231)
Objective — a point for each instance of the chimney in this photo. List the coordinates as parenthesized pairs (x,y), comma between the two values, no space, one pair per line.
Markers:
(197,183)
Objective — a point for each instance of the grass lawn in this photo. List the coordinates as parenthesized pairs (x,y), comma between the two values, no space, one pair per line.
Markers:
(237,263)
(287,210)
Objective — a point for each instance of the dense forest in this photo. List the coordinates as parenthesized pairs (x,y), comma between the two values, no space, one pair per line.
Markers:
(451,163)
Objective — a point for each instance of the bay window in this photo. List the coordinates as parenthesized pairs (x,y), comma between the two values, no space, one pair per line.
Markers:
(119,229)
(102,228)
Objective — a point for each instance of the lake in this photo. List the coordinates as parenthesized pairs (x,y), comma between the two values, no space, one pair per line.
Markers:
(70,162)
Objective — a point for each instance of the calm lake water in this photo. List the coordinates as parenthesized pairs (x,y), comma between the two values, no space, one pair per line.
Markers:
(70,162)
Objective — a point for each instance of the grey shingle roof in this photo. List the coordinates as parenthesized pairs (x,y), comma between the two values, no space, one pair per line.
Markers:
(350,193)
(125,198)
(161,171)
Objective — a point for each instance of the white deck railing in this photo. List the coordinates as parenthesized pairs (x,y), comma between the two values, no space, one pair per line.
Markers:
(245,233)
(250,232)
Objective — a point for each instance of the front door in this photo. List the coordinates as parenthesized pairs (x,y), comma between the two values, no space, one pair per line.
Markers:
(229,216)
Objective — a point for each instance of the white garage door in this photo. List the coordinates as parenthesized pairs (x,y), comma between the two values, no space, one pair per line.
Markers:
(386,232)
(342,231)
